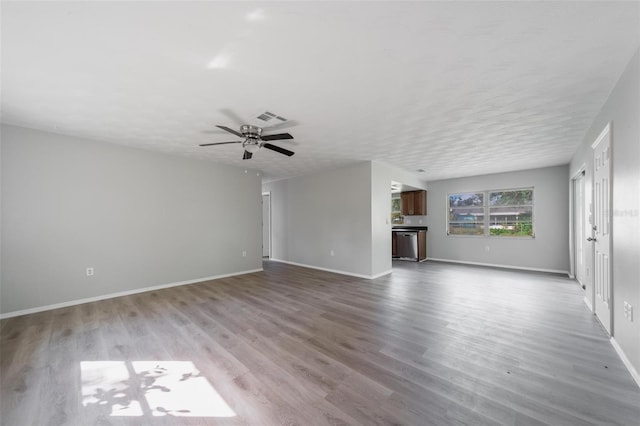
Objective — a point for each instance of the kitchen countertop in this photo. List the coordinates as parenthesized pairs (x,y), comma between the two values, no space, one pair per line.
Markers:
(409,228)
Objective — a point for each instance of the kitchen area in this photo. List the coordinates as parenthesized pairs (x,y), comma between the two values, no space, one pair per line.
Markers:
(408,219)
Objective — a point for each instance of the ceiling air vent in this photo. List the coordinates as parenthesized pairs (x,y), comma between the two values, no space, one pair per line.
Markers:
(268,116)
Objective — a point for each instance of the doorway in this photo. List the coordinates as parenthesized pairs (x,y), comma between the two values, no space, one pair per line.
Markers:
(581,219)
(266,225)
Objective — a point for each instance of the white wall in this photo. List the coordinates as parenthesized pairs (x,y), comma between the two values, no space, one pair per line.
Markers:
(548,251)
(622,110)
(402,176)
(139,218)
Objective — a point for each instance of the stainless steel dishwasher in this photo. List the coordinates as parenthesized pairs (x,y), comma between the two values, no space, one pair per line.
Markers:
(407,245)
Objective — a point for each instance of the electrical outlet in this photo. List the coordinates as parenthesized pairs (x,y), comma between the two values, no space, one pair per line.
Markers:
(331,252)
(244,253)
(90,272)
(487,248)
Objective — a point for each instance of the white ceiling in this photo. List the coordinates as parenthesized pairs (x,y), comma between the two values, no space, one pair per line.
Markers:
(454,88)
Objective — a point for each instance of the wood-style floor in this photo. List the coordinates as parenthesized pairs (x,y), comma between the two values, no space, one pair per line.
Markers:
(431,344)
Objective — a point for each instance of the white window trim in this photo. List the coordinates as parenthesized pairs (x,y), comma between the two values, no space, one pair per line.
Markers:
(487,214)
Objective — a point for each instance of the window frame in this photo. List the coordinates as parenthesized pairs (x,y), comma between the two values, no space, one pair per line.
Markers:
(486,220)
(482,206)
(397,213)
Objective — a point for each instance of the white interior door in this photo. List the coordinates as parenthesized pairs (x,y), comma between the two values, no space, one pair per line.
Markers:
(602,227)
(266,225)
(581,230)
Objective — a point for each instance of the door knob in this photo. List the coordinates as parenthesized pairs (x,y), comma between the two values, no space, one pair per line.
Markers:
(591,239)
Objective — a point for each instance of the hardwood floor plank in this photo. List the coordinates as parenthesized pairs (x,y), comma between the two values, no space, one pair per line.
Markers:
(430,344)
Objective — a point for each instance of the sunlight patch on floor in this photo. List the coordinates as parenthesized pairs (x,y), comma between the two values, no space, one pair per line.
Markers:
(156,388)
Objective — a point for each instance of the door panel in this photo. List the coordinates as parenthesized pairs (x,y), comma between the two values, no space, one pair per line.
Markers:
(582,229)
(602,228)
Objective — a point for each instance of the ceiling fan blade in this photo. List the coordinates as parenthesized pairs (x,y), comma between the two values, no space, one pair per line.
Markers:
(282,125)
(278,149)
(247,155)
(218,143)
(232,116)
(230,130)
(279,136)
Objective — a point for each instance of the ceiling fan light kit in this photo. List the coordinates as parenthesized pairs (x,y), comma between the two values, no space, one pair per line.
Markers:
(251,145)
(254,140)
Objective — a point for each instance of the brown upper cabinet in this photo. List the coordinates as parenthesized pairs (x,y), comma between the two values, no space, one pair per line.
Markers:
(414,203)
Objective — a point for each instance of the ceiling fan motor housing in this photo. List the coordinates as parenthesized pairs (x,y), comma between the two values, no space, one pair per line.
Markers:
(251,132)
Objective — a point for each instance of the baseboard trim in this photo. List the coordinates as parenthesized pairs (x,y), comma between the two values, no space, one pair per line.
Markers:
(495,265)
(381,274)
(625,361)
(120,294)
(335,271)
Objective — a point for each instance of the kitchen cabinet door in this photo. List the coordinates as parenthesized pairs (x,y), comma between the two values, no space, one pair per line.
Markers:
(422,246)
(394,245)
(407,203)
(420,203)
(414,203)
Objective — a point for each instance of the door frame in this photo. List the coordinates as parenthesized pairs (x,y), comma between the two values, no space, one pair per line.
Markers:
(573,226)
(268,224)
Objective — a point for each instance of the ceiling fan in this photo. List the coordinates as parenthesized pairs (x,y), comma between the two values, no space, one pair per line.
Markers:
(254,140)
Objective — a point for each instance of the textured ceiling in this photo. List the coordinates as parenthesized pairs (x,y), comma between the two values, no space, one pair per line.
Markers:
(454,88)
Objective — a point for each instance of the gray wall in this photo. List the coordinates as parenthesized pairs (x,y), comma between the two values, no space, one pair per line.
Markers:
(548,251)
(381,177)
(380,219)
(622,109)
(314,214)
(139,218)
(347,210)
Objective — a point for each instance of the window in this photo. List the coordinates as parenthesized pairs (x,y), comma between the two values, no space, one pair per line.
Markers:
(396,211)
(466,214)
(511,213)
(506,213)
